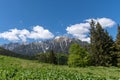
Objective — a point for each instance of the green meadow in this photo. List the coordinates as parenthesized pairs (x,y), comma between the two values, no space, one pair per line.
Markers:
(19,69)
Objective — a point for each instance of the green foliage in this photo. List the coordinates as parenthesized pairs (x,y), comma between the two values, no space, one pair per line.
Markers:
(50,57)
(101,45)
(117,49)
(19,69)
(42,57)
(78,57)
(62,58)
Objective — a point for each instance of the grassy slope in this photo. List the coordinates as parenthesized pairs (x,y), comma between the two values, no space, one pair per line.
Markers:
(19,69)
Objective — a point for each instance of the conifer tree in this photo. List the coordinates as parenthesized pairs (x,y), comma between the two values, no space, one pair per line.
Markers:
(93,42)
(101,45)
(116,55)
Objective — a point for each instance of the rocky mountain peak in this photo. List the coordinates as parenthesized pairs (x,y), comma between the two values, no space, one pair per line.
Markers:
(59,44)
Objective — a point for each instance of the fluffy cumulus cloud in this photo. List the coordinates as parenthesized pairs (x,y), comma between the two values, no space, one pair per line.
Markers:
(38,32)
(81,30)
(105,22)
(23,35)
(10,35)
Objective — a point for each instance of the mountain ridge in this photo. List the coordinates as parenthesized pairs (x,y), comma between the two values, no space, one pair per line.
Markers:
(59,44)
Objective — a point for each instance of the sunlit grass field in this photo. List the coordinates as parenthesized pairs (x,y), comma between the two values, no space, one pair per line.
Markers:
(20,69)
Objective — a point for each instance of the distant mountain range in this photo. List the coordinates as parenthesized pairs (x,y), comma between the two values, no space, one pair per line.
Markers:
(13,54)
(59,44)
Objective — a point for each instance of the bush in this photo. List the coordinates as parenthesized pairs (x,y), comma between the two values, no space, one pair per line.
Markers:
(78,56)
(42,57)
(62,58)
(58,58)
(47,57)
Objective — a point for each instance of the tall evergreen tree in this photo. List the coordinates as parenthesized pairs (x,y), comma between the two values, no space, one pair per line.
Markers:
(116,55)
(101,45)
(93,42)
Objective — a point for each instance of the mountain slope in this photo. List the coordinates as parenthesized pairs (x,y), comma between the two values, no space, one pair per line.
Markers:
(13,54)
(59,44)
(6,52)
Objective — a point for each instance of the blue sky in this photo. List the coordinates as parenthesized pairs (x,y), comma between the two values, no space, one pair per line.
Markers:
(55,16)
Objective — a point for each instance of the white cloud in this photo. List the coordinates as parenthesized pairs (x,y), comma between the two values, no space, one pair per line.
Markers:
(81,30)
(78,28)
(15,35)
(10,35)
(23,34)
(105,22)
(38,32)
